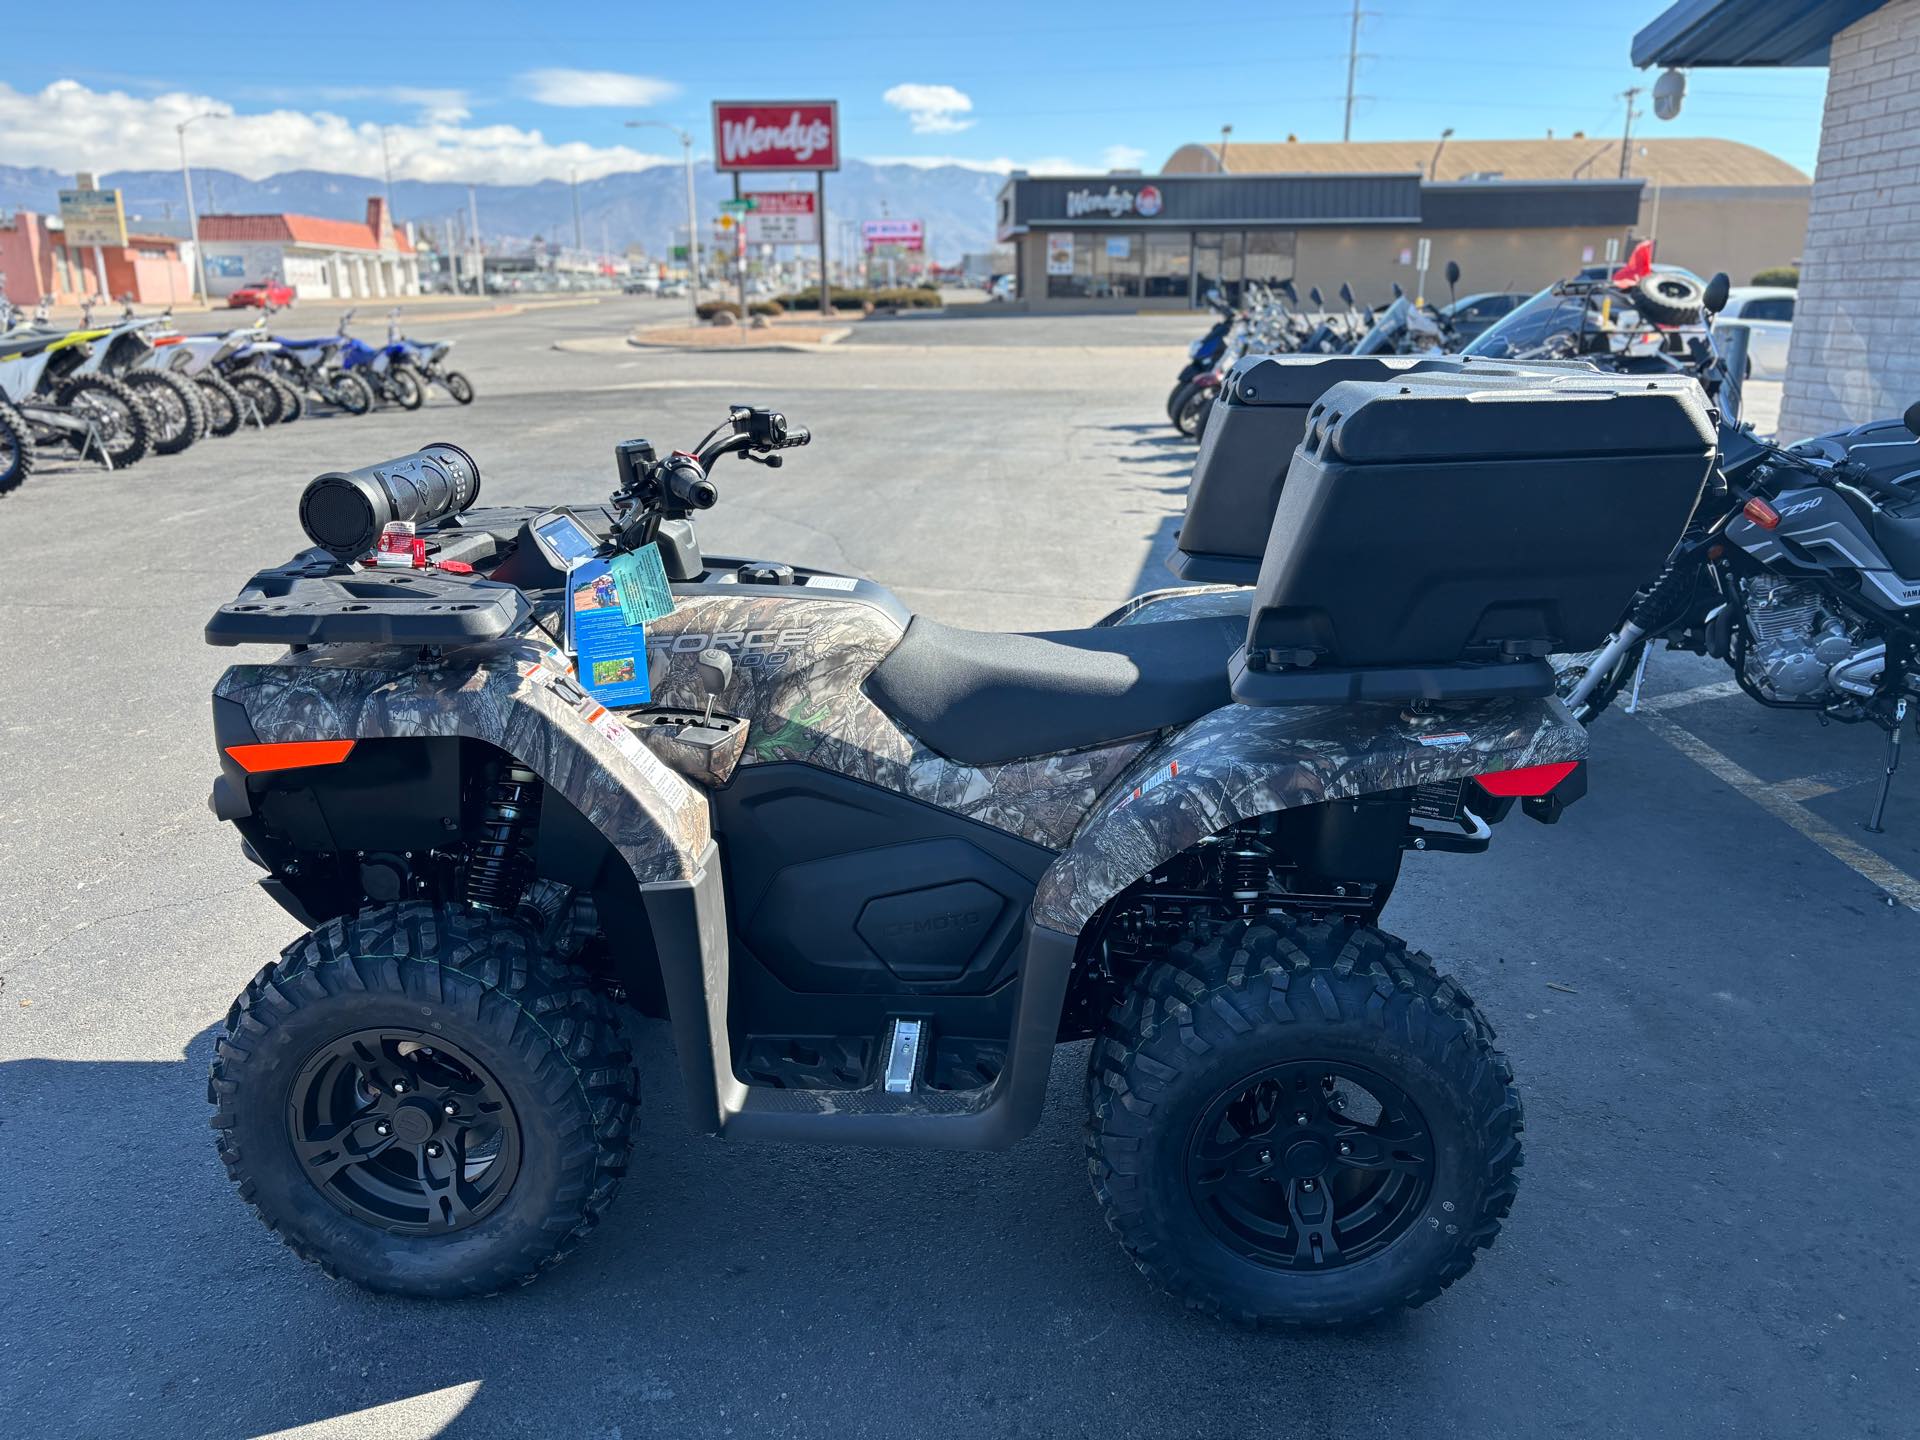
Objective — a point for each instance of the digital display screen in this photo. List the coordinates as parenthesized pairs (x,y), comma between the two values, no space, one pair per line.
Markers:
(566,538)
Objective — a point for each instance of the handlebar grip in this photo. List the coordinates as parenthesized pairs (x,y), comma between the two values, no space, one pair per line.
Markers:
(687,486)
(796,437)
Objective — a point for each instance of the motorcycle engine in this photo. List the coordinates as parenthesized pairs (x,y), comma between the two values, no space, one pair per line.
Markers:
(1796,640)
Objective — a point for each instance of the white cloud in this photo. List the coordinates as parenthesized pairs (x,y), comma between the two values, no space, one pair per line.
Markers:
(1122,157)
(578,89)
(933,109)
(68,127)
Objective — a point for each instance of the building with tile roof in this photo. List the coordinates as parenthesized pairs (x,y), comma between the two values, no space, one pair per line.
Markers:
(321,259)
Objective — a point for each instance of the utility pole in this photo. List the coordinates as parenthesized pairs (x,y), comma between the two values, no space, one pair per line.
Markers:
(1353,65)
(573,179)
(693,218)
(479,254)
(193,218)
(1626,137)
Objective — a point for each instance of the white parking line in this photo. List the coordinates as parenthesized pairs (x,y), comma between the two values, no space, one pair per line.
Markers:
(1719,690)
(1891,880)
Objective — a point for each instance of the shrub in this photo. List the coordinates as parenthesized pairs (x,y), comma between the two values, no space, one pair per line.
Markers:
(1787,275)
(766,307)
(707,309)
(908,298)
(840,299)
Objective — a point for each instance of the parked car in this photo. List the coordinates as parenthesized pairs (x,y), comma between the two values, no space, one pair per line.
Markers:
(642,285)
(268,294)
(1767,312)
(1002,288)
(1476,313)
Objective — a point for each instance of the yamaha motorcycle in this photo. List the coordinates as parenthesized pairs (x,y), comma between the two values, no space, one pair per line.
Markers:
(388,371)
(427,357)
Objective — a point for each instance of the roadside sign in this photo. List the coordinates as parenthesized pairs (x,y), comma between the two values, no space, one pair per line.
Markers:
(1424,256)
(93,217)
(680,252)
(745,202)
(897,234)
(763,135)
(782,217)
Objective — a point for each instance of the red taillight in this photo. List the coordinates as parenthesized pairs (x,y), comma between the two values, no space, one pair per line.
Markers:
(1528,780)
(290,755)
(1761,513)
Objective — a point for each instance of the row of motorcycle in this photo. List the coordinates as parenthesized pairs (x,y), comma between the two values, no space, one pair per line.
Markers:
(1636,318)
(117,393)
(1800,567)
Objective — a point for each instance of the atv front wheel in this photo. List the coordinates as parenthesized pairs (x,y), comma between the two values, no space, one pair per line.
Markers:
(422,1101)
(1301,1124)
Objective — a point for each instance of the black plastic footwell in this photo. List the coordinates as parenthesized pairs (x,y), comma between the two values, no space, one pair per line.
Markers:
(972,1098)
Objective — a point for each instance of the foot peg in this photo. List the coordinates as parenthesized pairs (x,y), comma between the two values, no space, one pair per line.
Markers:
(903,1056)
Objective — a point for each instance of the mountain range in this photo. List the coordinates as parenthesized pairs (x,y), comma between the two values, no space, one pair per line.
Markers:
(644,206)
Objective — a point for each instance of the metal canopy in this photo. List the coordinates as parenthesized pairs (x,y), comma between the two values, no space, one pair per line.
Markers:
(1712,34)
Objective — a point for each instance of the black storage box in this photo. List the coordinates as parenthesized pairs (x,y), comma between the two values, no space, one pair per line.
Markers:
(1436,539)
(1259,417)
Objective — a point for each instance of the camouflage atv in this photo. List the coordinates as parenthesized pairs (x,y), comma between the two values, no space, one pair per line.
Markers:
(872,870)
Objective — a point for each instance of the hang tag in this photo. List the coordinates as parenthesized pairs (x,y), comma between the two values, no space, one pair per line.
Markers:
(640,579)
(612,653)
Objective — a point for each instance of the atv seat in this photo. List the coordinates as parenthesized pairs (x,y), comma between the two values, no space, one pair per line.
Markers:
(985,699)
(1897,532)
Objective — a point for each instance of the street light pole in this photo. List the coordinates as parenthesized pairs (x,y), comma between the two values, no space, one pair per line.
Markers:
(693,213)
(193,219)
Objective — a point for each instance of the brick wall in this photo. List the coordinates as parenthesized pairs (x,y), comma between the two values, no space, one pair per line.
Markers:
(1856,330)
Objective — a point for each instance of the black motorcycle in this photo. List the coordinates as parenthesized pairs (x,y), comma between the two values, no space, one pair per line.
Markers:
(1800,569)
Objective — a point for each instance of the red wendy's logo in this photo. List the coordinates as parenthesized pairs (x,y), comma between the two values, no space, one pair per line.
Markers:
(1147,202)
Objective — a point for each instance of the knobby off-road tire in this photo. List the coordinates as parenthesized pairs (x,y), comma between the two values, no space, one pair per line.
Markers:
(263,392)
(223,405)
(1668,298)
(350,393)
(1263,997)
(120,411)
(481,988)
(293,404)
(458,386)
(178,419)
(16,449)
(409,391)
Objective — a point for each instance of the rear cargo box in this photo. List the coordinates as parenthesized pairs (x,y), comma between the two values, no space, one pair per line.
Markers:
(1433,538)
(1254,425)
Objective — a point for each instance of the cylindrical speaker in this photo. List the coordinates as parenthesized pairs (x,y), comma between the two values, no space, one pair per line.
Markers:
(344,511)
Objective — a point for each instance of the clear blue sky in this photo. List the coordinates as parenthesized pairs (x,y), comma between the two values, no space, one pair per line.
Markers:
(1073,84)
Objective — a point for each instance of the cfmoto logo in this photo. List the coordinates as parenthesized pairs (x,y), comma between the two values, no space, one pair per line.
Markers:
(933,924)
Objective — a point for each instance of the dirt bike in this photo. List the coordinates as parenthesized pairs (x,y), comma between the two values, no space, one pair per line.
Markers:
(52,385)
(873,869)
(427,357)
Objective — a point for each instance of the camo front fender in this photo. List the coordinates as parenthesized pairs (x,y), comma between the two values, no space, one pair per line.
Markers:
(1240,762)
(513,696)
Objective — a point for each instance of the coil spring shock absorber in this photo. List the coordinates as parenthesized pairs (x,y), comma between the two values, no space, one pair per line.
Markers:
(1246,873)
(499,855)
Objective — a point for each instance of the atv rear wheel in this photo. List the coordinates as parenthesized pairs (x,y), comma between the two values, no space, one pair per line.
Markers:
(1301,1124)
(422,1101)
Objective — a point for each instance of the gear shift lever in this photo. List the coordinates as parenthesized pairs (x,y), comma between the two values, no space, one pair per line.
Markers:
(715,669)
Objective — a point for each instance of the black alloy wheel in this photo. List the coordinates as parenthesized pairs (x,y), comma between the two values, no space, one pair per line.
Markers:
(1310,1165)
(404,1130)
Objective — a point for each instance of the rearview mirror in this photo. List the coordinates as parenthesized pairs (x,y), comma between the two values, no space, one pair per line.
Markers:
(1286,289)
(1346,292)
(1397,291)
(1319,301)
(1715,299)
(1912,419)
(1453,272)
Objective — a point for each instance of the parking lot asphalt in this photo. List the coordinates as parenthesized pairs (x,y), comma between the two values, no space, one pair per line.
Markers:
(1705,977)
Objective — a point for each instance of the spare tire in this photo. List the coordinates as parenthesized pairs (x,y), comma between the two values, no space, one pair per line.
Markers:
(1667,297)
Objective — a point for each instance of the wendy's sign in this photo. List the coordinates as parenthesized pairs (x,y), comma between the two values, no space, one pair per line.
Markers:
(762,135)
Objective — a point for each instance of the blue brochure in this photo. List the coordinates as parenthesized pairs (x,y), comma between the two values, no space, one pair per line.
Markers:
(612,654)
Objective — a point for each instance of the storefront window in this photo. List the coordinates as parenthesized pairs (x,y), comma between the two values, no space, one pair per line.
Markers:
(1167,269)
(1088,265)
(1269,256)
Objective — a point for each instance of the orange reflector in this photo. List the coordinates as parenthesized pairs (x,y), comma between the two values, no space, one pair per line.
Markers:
(1528,779)
(1761,513)
(291,755)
